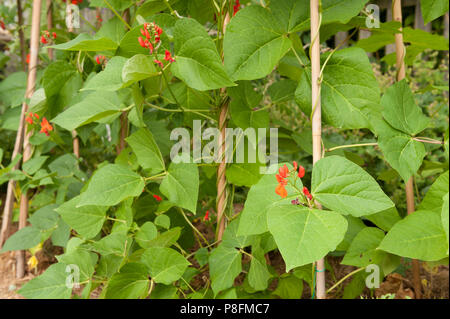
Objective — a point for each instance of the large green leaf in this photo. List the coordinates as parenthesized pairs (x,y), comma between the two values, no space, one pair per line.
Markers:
(420,236)
(444,216)
(50,285)
(400,150)
(165,264)
(25,238)
(131,282)
(433,198)
(92,108)
(224,266)
(86,221)
(345,187)
(181,185)
(304,235)
(433,9)
(83,259)
(363,249)
(349,89)
(13,88)
(258,274)
(146,234)
(109,79)
(401,111)
(55,77)
(197,62)
(84,42)
(254,43)
(260,198)
(146,150)
(110,185)
(138,68)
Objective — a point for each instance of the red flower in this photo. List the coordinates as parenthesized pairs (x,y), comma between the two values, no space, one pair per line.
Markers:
(168,57)
(158,198)
(29,119)
(301,171)
(2,25)
(36,116)
(54,35)
(28,58)
(46,127)
(236,7)
(100,59)
(206,215)
(161,65)
(280,190)
(295,165)
(141,42)
(284,171)
(44,40)
(307,193)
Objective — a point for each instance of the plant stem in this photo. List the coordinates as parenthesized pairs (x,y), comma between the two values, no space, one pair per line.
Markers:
(350,146)
(193,227)
(343,279)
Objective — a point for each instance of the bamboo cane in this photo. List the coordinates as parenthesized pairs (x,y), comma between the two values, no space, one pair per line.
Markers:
(409,187)
(34,48)
(317,120)
(49,10)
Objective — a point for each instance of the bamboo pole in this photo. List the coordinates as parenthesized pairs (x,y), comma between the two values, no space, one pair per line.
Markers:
(23,52)
(34,48)
(409,187)
(316,120)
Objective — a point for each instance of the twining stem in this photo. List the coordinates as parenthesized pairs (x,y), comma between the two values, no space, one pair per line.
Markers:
(428,140)
(245,253)
(409,187)
(193,227)
(343,279)
(117,14)
(155,176)
(350,146)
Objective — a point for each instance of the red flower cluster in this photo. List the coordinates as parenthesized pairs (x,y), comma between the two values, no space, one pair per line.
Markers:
(157,197)
(206,216)
(46,38)
(100,59)
(46,127)
(283,174)
(236,7)
(30,116)
(152,34)
(307,193)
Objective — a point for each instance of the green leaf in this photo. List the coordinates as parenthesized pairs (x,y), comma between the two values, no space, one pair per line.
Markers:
(13,88)
(363,249)
(45,218)
(349,93)
(138,68)
(258,275)
(420,236)
(145,234)
(181,185)
(166,239)
(260,199)
(304,235)
(165,264)
(346,188)
(86,221)
(162,221)
(433,9)
(55,77)
(289,287)
(385,219)
(25,238)
(249,53)
(84,42)
(433,198)
(83,259)
(224,266)
(197,62)
(110,79)
(400,150)
(131,282)
(50,285)
(444,216)
(401,111)
(92,108)
(116,243)
(147,151)
(355,225)
(110,185)
(282,91)
(243,174)
(34,164)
